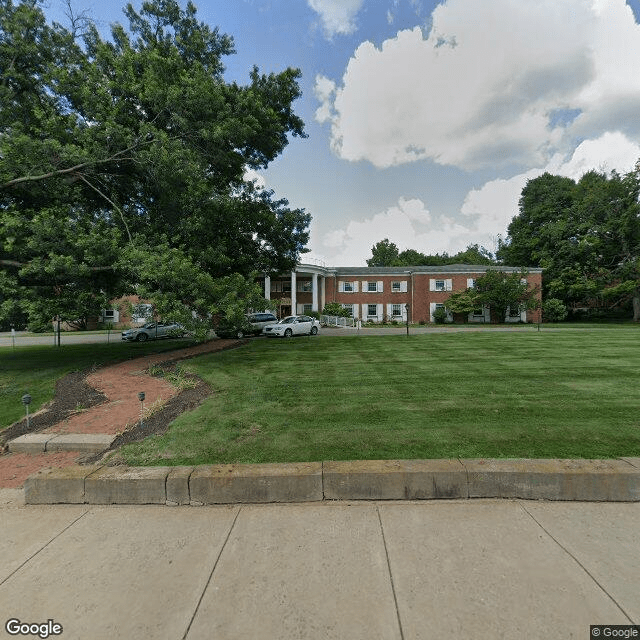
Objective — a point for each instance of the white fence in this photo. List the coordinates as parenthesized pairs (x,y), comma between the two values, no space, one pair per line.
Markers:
(336,321)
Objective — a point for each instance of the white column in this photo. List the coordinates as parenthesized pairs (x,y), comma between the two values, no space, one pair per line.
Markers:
(294,287)
(314,292)
(267,287)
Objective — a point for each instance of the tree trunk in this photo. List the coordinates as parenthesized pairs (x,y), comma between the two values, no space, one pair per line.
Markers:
(636,305)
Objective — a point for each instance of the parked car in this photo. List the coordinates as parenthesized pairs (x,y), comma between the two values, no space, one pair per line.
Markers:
(292,325)
(153,331)
(253,325)
(259,321)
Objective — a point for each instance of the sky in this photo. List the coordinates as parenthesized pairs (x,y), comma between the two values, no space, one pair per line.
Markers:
(426,119)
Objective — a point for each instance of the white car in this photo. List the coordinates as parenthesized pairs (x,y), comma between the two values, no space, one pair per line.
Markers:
(291,326)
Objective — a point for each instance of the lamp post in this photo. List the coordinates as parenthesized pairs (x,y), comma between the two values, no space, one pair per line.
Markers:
(26,401)
(407,308)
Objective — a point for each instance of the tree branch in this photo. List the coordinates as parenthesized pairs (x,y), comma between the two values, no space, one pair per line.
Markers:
(14,263)
(113,204)
(76,168)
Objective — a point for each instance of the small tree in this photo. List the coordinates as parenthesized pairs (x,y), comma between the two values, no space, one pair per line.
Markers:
(554,310)
(497,290)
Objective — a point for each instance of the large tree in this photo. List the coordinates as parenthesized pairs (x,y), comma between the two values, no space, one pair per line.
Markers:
(585,234)
(122,164)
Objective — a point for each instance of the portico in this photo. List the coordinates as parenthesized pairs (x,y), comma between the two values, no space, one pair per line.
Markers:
(300,291)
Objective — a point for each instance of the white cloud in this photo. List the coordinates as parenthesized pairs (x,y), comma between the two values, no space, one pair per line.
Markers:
(493,206)
(251,175)
(470,96)
(485,214)
(337,16)
(408,224)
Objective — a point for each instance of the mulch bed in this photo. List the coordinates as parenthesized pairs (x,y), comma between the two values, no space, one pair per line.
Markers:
(159,421)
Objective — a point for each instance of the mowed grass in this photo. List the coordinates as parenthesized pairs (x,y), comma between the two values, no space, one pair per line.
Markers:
(568,393)
(35,369)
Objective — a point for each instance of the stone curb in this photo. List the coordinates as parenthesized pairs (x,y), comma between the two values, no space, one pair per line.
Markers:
(585,480)
(42,442)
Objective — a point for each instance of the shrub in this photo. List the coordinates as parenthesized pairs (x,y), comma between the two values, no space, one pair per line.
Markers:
(440,315)
(554,310)
(335,309)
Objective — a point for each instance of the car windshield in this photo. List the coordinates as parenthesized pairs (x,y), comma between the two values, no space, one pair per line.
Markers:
(289,320)
(150,326)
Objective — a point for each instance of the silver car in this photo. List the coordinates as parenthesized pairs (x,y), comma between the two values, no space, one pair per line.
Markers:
(291,326)
(153,331)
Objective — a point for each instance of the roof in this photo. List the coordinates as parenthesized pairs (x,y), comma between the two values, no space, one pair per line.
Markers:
(436,269)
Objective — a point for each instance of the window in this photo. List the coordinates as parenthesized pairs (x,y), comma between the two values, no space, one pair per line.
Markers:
(372,310)
(109,313)
(349,308)
(348,287)
(304,286)
(440,285)
(372,287)
(307,308)
(395,287)
(276,286)
(514,313)
(396,310)
(479,312)
(286,286)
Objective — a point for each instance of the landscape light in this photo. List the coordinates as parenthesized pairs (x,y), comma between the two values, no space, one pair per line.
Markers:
(26,401)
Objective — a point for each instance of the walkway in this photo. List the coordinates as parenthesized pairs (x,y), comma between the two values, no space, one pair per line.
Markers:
(474,569)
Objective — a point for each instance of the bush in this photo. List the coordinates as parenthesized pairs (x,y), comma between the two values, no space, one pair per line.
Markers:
(554,310)
(335,309)
(440,315)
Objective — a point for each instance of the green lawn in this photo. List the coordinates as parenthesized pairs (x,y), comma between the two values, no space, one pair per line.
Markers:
(568,393)
(35,369)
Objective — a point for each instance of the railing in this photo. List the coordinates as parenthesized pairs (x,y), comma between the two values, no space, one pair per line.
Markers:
(336,321)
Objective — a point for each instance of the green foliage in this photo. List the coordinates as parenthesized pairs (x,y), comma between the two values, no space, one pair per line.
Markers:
(440,315)
(335,309)
(554,310)
(386,254)
(464,301)
(585,234)
(122,160)
(497,290)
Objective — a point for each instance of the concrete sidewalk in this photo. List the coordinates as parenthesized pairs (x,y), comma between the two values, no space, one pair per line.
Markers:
(333,570)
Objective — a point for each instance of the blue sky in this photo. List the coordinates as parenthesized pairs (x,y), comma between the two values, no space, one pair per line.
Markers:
(426,119)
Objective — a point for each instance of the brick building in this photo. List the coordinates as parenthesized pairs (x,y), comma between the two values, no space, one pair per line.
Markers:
(379,294)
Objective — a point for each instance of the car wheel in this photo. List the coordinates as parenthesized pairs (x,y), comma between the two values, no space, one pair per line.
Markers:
(141,337)
(288,333)
(314,330)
